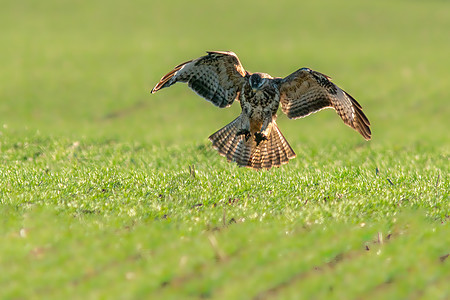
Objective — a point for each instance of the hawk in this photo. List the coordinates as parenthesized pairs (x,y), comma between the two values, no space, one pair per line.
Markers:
(253,139)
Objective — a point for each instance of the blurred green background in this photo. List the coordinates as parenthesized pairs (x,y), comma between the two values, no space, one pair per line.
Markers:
(85,68)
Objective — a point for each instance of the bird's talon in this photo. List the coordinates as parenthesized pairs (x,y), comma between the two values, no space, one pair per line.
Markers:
(259,137)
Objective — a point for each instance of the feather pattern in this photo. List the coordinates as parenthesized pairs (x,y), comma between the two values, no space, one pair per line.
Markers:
(217,77)
(273,152)
(306,91)
(253,139)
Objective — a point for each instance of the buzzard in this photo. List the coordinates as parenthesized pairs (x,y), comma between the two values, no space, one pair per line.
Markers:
(253,139)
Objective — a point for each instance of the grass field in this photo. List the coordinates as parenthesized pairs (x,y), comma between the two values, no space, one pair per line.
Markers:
(109,192)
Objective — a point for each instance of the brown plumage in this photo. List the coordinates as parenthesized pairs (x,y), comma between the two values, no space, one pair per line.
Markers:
(305,92)
(253,139)
(245,152)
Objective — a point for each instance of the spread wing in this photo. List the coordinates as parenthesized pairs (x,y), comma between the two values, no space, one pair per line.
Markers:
(217,77)
(306,91)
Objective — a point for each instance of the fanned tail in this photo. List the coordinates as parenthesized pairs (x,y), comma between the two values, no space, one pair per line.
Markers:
(273,152)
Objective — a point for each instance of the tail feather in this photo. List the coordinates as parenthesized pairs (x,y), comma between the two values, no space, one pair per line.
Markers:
(267,153)
(273,152)
(276,151)
(231,152)
(276,154)
(242,153)
(222,143)
(223,138)
(283,145)
(255,161)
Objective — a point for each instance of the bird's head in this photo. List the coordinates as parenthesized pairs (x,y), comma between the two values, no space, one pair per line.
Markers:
(256,81)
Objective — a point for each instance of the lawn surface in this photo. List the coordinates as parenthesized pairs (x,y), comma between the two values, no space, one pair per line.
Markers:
(109,192)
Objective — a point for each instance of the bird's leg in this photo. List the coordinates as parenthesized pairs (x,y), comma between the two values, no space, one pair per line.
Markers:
(245,126)
(262,134)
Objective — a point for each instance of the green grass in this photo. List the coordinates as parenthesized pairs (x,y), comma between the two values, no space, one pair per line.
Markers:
(109,192)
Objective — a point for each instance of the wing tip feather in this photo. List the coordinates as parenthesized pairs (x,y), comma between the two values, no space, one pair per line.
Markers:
(164,81)
(361,123)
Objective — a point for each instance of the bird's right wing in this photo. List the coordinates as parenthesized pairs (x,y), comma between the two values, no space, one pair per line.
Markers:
(218,77)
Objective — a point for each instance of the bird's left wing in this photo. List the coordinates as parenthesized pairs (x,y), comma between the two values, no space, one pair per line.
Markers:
(306,91)
(218,77)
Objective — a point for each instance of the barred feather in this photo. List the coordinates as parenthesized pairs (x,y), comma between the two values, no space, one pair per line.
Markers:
(220,78)
(273,152)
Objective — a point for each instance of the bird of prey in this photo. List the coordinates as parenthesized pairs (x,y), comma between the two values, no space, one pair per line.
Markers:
(253,139)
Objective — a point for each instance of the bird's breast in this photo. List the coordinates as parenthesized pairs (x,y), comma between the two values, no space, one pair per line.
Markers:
(258,103)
